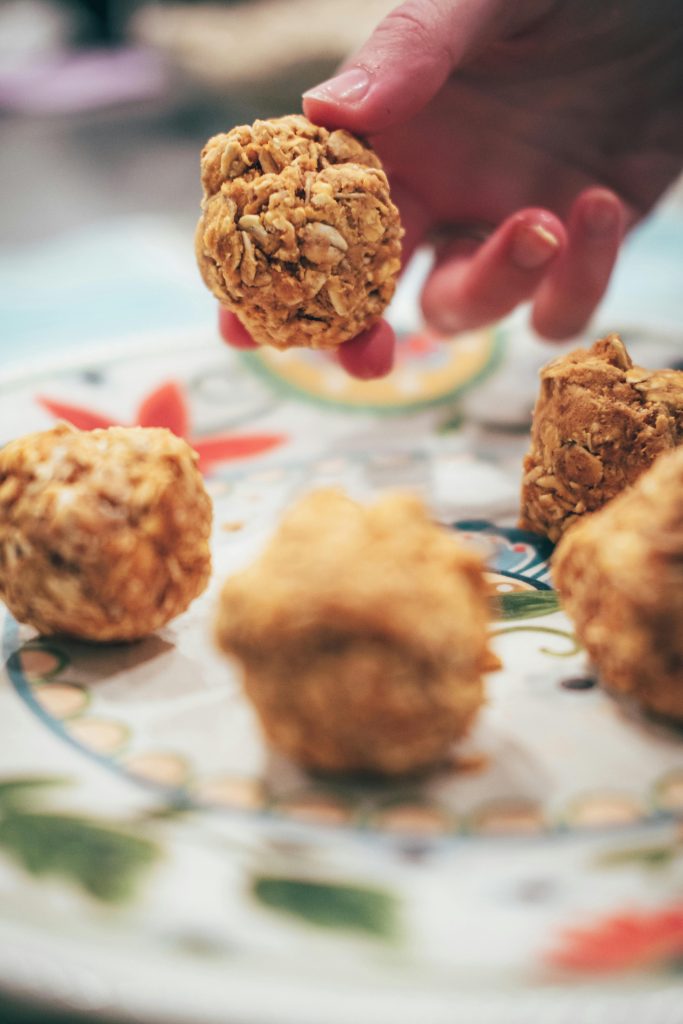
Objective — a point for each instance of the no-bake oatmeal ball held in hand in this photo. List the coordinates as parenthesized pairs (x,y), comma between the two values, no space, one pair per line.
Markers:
(526,137)
(104,534)
(298,234)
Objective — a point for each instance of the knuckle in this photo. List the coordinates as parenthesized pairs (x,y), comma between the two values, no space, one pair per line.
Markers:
(421,21)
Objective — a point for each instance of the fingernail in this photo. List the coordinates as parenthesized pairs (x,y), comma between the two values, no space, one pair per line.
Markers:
(532,246)
(349,87)
(601,216)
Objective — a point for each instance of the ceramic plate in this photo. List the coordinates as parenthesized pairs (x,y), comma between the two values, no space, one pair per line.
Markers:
(427,373)
(157,862)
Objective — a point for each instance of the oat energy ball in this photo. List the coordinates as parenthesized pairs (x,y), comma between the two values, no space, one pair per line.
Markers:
(620,575)
(104,534)
(298,235)
(363,635)
(599,423)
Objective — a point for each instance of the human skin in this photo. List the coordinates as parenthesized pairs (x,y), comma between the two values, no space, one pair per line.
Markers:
(523,138)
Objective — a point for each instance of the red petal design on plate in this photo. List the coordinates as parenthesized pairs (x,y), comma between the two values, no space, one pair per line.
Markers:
(224,448)
(623,942)
(419,344)
(84,419)
(165,407)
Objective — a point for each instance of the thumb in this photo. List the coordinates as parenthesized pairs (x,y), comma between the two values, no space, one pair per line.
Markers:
(408,58)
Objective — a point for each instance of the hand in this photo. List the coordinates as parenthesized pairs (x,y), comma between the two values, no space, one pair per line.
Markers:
(367,356)
(547,126)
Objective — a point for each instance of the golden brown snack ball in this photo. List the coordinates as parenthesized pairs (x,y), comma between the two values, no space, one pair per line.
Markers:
(298,234)
(620,575)
(363,635)
(599,423)
(104,534)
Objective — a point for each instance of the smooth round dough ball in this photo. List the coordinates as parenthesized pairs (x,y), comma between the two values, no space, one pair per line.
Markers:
(104,534)
(620,575)
(363,633)
(298,234)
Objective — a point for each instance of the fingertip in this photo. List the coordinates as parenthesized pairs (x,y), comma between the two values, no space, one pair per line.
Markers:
(368,356)
(233,331)
(383,104)
(535,241)
(475,283)
(371,354)
(574,287)
(548,325)
(537,216)
(320,110)
(599,213)
(338,102)
(399,69)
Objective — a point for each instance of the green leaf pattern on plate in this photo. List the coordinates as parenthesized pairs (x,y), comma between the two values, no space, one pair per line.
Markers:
(102,858)
(529,604)
(370,911)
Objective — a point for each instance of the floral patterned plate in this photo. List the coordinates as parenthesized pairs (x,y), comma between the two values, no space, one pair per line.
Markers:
(158,863)
(427,372)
